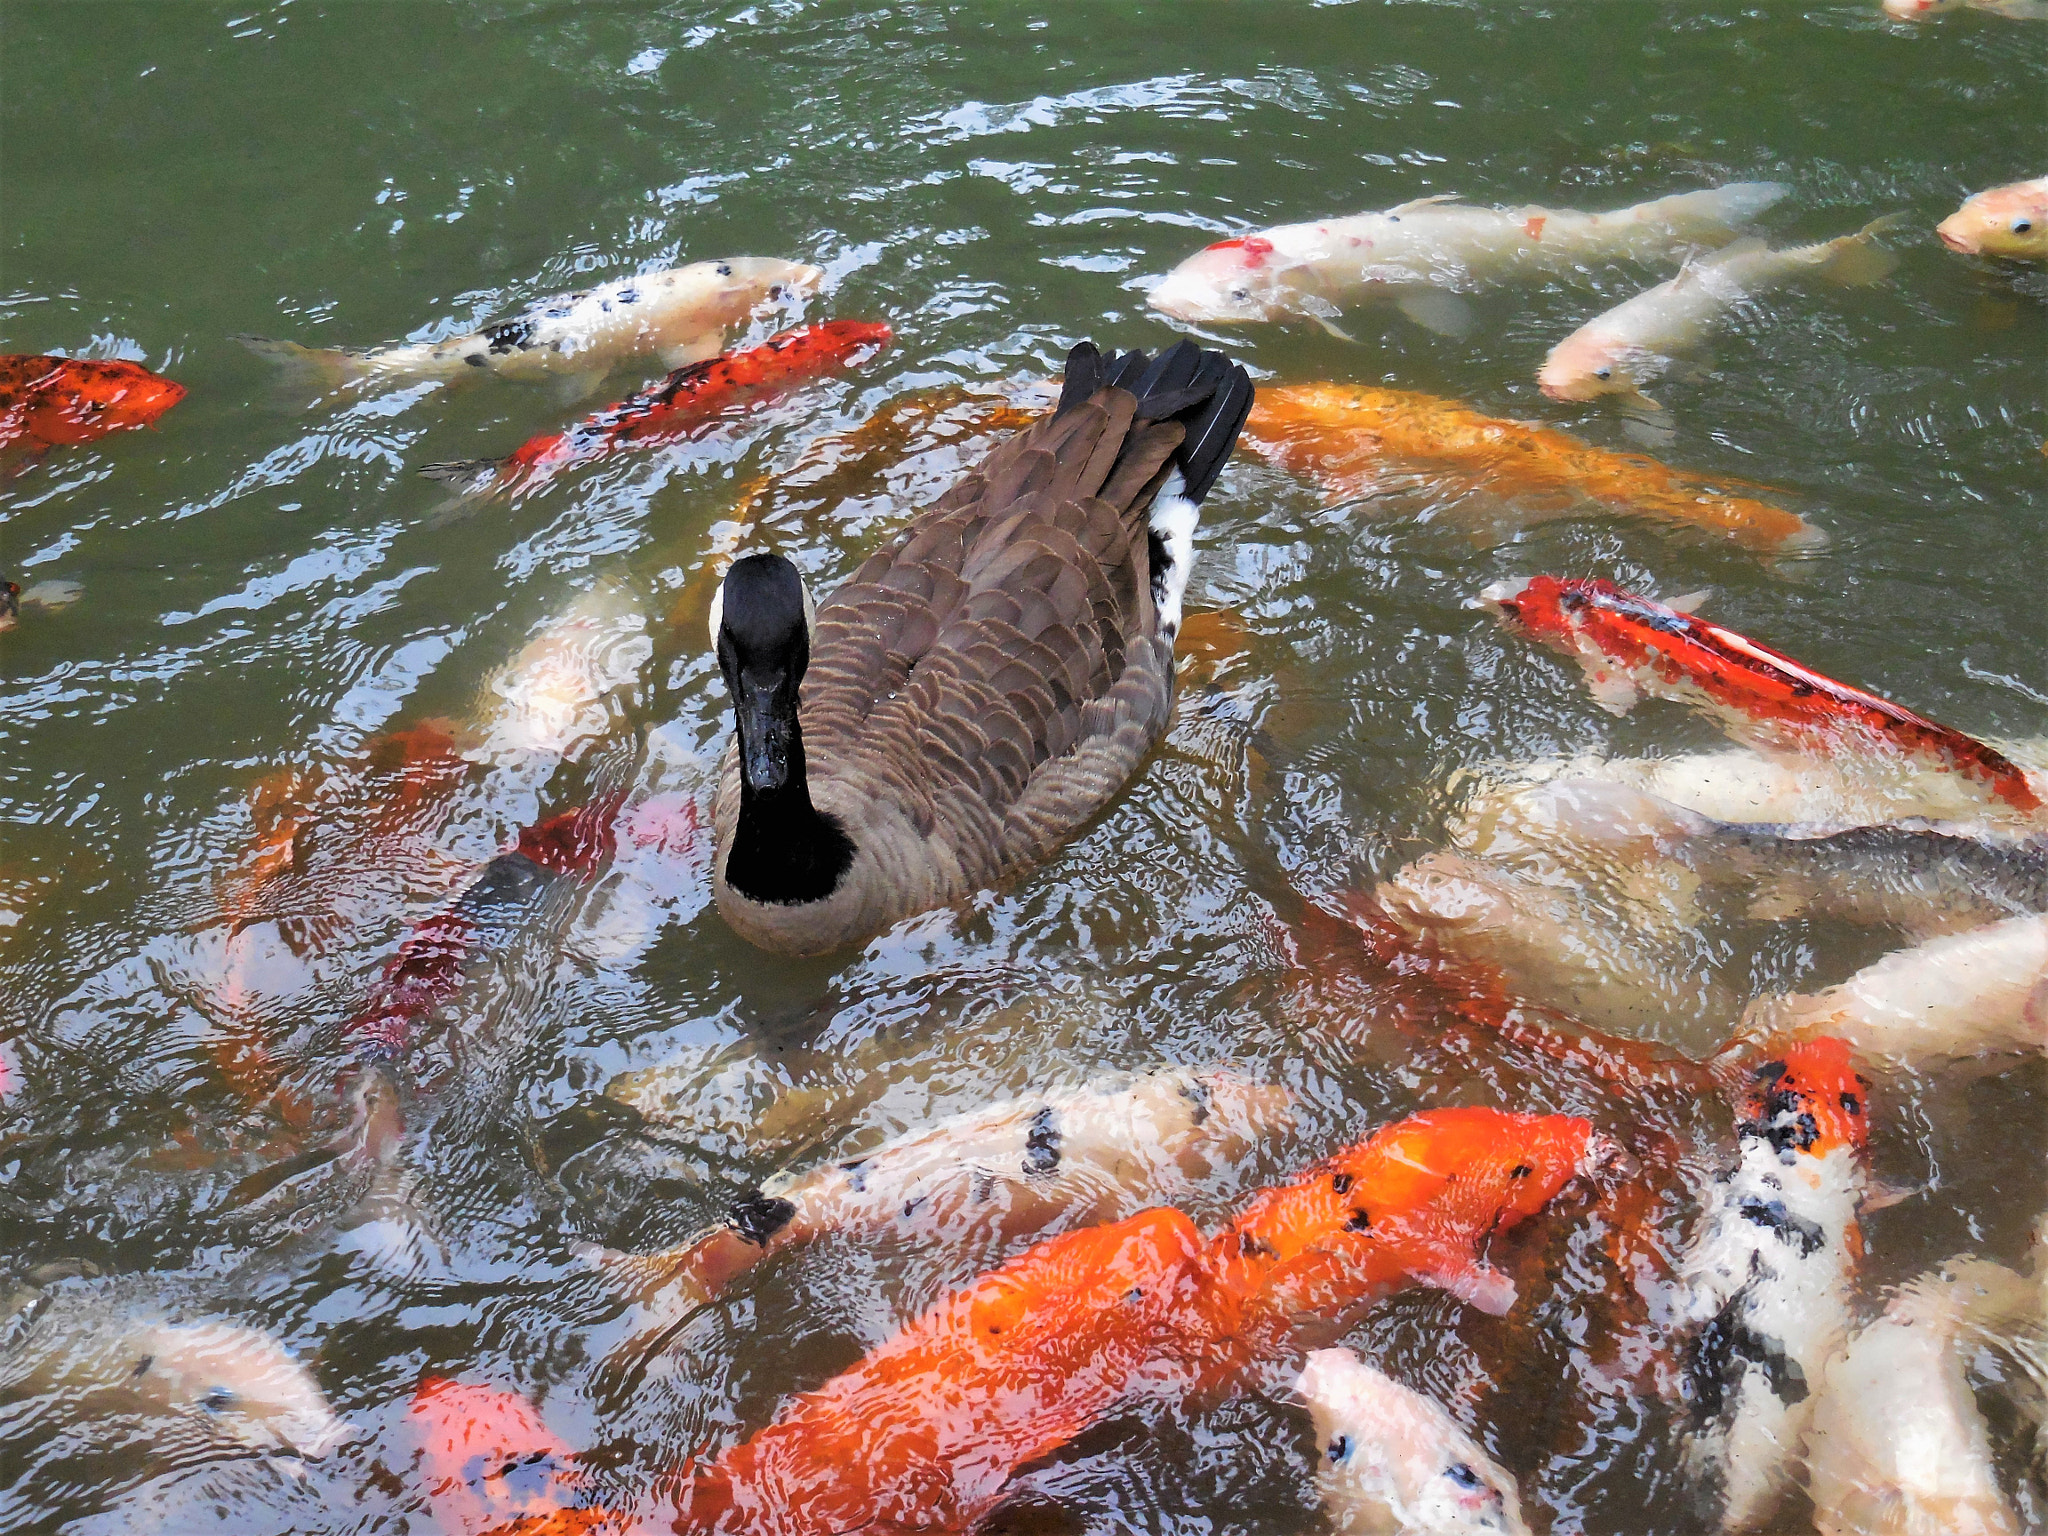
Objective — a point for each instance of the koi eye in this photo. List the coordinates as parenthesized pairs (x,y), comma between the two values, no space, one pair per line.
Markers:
(775,292)
(725,269)
(2021,226)
(1240,294)
(1603,373)
(1462,1475)
(1340,1448)
(219,1400)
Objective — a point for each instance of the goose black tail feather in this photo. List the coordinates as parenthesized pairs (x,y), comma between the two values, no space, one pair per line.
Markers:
(1205,391)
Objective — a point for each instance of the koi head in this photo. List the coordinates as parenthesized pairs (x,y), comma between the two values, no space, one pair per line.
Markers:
(1543,608)
(1585,366)
(1807,1099)
(734,287)
(94,396)
(852,341)
(243,1384)
(2011,222)
(1918,10)
(486,1456)
(1232,282)
(1384,1447)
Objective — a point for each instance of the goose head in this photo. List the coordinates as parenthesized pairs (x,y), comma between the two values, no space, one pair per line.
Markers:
(784,850)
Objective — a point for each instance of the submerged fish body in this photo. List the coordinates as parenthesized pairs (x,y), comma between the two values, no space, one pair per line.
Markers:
(82,1351)
(1440,244)
(681,316)
(1632,646)
(684,400)
(1767,1279)
(926,1431)
(48,402)
(1934,10)
(1348,437)
(1897,1445)
(2010,222)
(486,1458)
(1981,993)
(1392,1462)
(1635,342)
(1013,1167)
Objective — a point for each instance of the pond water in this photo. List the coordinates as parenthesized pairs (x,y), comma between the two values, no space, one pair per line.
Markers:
(269,590)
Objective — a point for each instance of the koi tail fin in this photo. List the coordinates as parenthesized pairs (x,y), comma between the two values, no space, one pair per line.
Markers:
(323,367)
(1859,261)
(471,477)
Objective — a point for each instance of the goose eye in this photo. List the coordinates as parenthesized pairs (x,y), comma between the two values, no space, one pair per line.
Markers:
(1603,373)
(1462,1475)
(2021,226)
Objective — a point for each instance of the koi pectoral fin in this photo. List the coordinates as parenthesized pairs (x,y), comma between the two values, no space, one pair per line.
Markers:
(697,349)
(1433,310)
(571,388)
(1465,1278)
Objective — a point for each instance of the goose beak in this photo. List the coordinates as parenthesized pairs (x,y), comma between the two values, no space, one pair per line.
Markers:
(764,737)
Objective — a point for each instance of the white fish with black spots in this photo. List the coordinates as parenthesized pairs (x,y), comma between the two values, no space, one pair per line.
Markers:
(680,316)
(1392,1462)
(1422,253)
(1636,342)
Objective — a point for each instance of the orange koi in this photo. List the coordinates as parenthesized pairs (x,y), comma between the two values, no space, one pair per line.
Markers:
(927,1430)
(1350,439)
(684,400)
(50,401)
(1631,646)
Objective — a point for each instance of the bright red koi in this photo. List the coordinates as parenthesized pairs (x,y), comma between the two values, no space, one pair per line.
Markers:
(925,1432)
(1631,646)
(685,399)
(48,401)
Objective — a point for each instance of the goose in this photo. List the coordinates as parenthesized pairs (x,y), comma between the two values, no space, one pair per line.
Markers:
(984,684)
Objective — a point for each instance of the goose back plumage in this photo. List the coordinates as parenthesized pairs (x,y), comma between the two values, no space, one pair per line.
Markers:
(985,684)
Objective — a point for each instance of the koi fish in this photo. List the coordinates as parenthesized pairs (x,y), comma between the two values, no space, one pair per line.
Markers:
(1392,1462)
(1633,646)
(1766,1281)
(1922,877)
(685,399)
(1979,993)
(1348,438)
(1934,10)
(1015,1167)
(1636,342)
(1421,252)
(47,402)
(680,315)
(89,1347)
(2009,221)
(1897,1446)
(926,1431)
(486,1457)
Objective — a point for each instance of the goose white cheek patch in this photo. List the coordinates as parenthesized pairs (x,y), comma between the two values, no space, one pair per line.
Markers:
(1173,521)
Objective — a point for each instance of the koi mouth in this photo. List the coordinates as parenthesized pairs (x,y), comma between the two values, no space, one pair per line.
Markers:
(1956,242)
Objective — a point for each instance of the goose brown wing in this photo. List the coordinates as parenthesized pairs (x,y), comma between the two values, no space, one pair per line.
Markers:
(995,673)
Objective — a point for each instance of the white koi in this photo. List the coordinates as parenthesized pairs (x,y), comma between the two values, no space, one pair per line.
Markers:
(1897,1446)
(1392,1462)
(1422,251)
(680,316)
(1637,341)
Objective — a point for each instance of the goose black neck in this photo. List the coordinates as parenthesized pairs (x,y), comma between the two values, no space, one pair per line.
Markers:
(785,850)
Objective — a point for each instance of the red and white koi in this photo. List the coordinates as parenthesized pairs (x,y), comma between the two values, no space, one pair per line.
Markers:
(1392,1462)
(1934,10)
(1637,341)
(1422,251)
(48,402)
(1767,1279)
(1014,1168)
(683,401)
(680,316)
(1631,647)
(1897,1444)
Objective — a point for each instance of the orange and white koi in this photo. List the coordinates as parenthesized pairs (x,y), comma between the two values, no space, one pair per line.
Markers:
(680,316)
(1637,341)
(1355,441)
(486,1457)
(1391,1462)
(47,402)
(1435,246)
(1897,1445)
(1013,1167)
(1983,993)
(2009,222)
(927,1430)
(683,401)
(1633,646)
(1766,1281)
